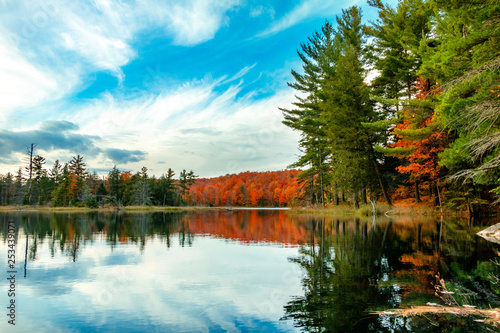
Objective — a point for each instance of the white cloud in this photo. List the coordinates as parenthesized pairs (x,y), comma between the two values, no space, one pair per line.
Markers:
(48,53)
(261,10)
(195,127)
(240,74)
(196,21)
(307,9)
(100,49)
(23,83)
(190,291)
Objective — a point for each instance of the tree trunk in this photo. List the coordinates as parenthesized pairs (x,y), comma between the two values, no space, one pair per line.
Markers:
(379,177)
(312,190)
(469,207)
(436,193)
(363,196)
(431,191)
(31,174)
(417,192)
(321,178)
(355,199)
(336,198)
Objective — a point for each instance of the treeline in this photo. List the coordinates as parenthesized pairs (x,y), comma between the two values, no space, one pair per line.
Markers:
(72,185)
(429,117)
(269,189)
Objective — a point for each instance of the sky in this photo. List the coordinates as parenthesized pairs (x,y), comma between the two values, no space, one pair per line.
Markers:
(192,84)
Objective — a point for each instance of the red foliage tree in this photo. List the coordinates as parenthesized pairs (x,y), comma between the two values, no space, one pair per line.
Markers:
(272,188)
(419,139)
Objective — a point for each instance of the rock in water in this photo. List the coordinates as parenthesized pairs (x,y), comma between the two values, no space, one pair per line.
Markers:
(491,234)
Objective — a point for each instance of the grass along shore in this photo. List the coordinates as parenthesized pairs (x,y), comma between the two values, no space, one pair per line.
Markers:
(340,210)
(380,209)
(130,209)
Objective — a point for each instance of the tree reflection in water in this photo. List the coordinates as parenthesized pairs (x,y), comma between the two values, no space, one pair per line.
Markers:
(352,268)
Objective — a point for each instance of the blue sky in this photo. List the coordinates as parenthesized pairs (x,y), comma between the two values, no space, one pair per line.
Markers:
(189,84)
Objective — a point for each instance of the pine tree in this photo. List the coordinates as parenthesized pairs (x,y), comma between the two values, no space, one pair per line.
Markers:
(306,117)
(348,112)
(142,193)
(78,171)
(395,55)
(61,195)
(55,172)
(464,57)
(115,186)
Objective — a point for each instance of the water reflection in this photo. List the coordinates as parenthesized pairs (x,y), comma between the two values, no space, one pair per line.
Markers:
(245,271)
(356,266)
(67,232)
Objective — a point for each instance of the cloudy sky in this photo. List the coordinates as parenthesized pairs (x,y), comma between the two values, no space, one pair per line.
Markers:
(192,84)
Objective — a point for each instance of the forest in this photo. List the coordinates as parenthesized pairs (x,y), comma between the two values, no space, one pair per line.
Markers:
(403,108)
(72,185)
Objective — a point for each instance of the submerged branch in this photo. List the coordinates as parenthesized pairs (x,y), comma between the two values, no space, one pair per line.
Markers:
(491,316)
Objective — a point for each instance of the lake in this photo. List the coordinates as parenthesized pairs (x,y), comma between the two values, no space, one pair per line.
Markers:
(242,271)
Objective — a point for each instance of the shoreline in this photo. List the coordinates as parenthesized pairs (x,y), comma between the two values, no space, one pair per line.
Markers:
(129,209)
(340,210)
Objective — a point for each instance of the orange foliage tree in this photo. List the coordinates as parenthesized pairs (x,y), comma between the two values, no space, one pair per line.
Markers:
(419,139)
(272,188)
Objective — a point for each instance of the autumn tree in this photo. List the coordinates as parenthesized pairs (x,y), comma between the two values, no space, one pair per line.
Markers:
(419,144)
(272,188)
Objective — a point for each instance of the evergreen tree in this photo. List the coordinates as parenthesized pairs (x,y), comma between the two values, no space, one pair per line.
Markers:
(186,179)
(115,186)
(348,112)
(7,192)
(142,191)
(61,195)
(19,190)
(55,172)
(395,53)
(464,57)
(78,171)
(306,117)
(396,56)
(101,192)
(164,190)
(38,194)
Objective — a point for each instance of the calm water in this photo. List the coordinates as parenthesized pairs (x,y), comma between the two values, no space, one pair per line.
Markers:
(240,271)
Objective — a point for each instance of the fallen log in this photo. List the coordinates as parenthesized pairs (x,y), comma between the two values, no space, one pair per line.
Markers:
(491,316)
